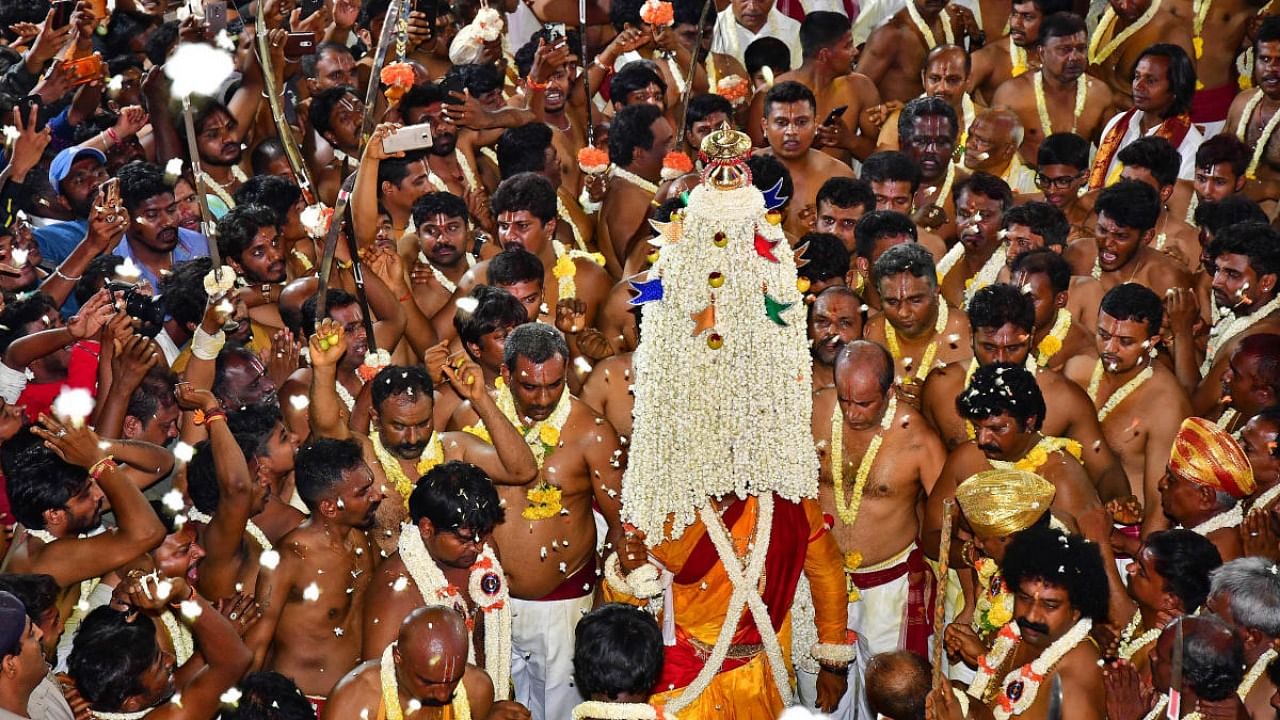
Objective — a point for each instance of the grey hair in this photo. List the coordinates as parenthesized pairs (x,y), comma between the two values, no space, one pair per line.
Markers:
(1252,585)
(910,257)
(1224,500)
(539,342)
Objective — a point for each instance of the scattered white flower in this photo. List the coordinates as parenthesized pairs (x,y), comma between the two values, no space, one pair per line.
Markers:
(269,559)
(224,42)
(172,171)
(74,405)
(19,256)
(11,134)
(299,402)
(197,69)
(231,696)
(191,609)
(183,452)
(467,304)
(174,501)
(311,593)
(400,584)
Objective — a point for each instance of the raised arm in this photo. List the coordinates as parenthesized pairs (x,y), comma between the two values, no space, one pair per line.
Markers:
(508,461)
(325,410)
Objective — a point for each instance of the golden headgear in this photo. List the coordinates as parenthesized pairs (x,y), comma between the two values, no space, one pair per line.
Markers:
(998,503)
(725,152)
(1205,454)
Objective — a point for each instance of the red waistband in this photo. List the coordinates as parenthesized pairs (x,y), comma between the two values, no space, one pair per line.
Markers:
(579,584)
(913,563)
(1211,104)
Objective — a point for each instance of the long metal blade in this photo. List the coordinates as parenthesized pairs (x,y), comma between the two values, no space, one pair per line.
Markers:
(1175,676)
(1055,699)
(396,10)
(586,84)
(275,98)
(693,64)
(202,190)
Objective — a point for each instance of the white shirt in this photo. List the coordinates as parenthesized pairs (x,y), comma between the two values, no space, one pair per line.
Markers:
(731,38)
(875,13)
(1190,143)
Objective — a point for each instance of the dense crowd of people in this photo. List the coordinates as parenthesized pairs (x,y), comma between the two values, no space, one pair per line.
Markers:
(323,393)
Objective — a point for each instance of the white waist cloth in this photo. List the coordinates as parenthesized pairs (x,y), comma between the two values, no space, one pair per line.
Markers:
(542,655)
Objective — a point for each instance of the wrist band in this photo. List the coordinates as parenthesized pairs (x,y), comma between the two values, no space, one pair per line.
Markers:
(535,85)
(112,136)
(96,470)
(602,66)
(204,417)
(206,346)
(58,271)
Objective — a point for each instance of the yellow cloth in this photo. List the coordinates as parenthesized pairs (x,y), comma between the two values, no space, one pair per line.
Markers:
(998,503)
(1205,454)
(259,341)
(744,693)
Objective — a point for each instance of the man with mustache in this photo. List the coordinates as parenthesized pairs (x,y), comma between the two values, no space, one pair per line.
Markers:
(918,326)
(945,75)
(1060,592)
(894,180)
(335,114)
(876,504)
(1260,441)
(424,104)
(153,241)
(1154,161)
(1017,52)
(251,243)
(834,321)
(1063,56)
(1244,593)
(403,441)
(1251,111)
(1038,225)
(281,195)
(1251,382)
(1046,278)
(442,228)
(219,140)
(980,202)
(928,129)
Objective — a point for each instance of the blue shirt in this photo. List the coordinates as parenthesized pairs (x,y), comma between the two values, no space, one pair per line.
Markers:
(191,245)
(56,241)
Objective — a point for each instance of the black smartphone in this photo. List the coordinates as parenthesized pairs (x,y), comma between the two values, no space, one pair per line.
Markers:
(62,10)
(309,7)
(215,15)
(834,116)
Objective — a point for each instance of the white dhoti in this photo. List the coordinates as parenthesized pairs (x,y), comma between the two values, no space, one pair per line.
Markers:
(542,654)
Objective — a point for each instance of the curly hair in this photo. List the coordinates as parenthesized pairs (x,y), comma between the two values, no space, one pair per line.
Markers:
(1066,561)
(1003,388)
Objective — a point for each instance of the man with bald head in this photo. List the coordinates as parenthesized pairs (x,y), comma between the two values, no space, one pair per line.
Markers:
(991,146)
(896,52)
(897,683)
(431,670)
(834,321)
(878,460)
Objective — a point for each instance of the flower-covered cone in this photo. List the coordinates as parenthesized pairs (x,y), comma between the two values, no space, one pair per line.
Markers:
(726,410)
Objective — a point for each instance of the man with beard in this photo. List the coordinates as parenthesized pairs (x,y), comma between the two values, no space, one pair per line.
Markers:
(153,241)
(1207,478)
(1245,594)
(876,530)
(991,146)
(1251,111)
(1045,277)
(1163,83)
(313,600)
(219,140)
(1050,99)
(1015,53)
(1062,169)
(1059,592)
(1002,321)
(918,326)
(17,241)
(240,379)
(1042,226)
(58,495)
(441,227)
(1123,34)
(402,442)
(250,242)
(556,66)
(639,138)
(75,174)
(1120,250)
(945,75)
(895,53)
(895,181)
(928,129)
(424,104)
(976,260)
(65,358)
(1005,407)
(281,195)
(834,321)
(335,115)
(429,669)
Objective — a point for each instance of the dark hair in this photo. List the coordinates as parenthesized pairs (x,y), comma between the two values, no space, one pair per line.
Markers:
(1044,219)
(1256,241)
(1224,148)
(617,649)
(222,364)
(475,78)
(202,479)
(1000,304)
(37,592)
(1184,559)
(1155,154)
(526,52)
(319,466)
(891,166)
(95,275)
(826,254)
(635,75)
(986,185)
(279,194)
(878,224)
(905,258)
(526,191)
(139,182)
(523,149)
(494,308)
(787,92)
(1063,148)
(153,393)
(308,63)
(421,96)
(16,315)
(396,380)
(1268,31)
(439,202)
(846,193)
(335,298)
(625,12)
(266,695)
(251,427)
(1213,674)
(113,649)
(1066,561)
(1181,73)
(1134,302)
(901,683)
(265,153)
(1003,388)
(1130,204)
(1047,262)
(923,107)
(1232,209)
(766,171)
(820,30)
(537,342)
(767,52)
(703,106)
(323,103)
(38,480)
(1061,24)
(241,224)
(1265,348)
(183,290)
(395,169)
(456,495)
(631,128)
(514,265)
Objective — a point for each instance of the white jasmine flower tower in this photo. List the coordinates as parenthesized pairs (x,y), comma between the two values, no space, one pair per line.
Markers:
(722,374)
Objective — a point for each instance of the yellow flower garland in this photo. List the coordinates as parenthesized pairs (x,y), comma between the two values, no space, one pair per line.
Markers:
(1098,56)
(1039,454)
(993,608)
(543,438)
(848,511)
(1052,343)
(432,455)
(460,708)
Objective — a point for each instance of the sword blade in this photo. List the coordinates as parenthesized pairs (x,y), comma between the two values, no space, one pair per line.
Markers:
(1175,676)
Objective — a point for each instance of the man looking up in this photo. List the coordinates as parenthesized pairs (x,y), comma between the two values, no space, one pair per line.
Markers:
(250,242)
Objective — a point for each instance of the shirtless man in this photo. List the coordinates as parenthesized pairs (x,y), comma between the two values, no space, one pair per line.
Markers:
(1062,71)
(403,441)
(875,233)
(1114,63)
(895,53)
(918,326)
(1046,278)
(834,322)
(312,601)
(877,518)
(841,202)
(791,127)
(1251,111)
(1125,383)
(1238,592)
(974,262)
(1121,249)
(895,182)
(1062,168)
(639,137)
(1042,226)
(1219,173)
(548,549)
(1002,321)
(827,45)
(1207,477)
(482,330)
(442,233)
(431,671)
(945,75)
(1250,384)
(1153,160)
(1015,53)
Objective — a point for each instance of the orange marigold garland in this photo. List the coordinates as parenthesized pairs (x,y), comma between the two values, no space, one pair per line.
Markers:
(398,77)
(676,164)
(658,13)
(593,160)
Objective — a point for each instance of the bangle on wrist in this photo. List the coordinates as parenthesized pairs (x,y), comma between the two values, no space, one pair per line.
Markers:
(97,469)
(535,85)
(112,137)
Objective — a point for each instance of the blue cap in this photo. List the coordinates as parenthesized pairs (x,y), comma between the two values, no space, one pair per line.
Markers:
(61,165)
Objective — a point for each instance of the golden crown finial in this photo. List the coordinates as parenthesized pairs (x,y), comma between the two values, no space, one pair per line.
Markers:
(725,152)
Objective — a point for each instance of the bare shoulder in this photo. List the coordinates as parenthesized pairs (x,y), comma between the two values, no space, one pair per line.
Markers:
(825,165)
(1012,91)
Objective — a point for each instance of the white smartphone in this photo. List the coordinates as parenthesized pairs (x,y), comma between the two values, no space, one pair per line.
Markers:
(413,137)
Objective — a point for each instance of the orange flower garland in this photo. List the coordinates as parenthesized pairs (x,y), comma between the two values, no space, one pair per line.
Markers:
(658,13)
(593,160)
(398,77)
